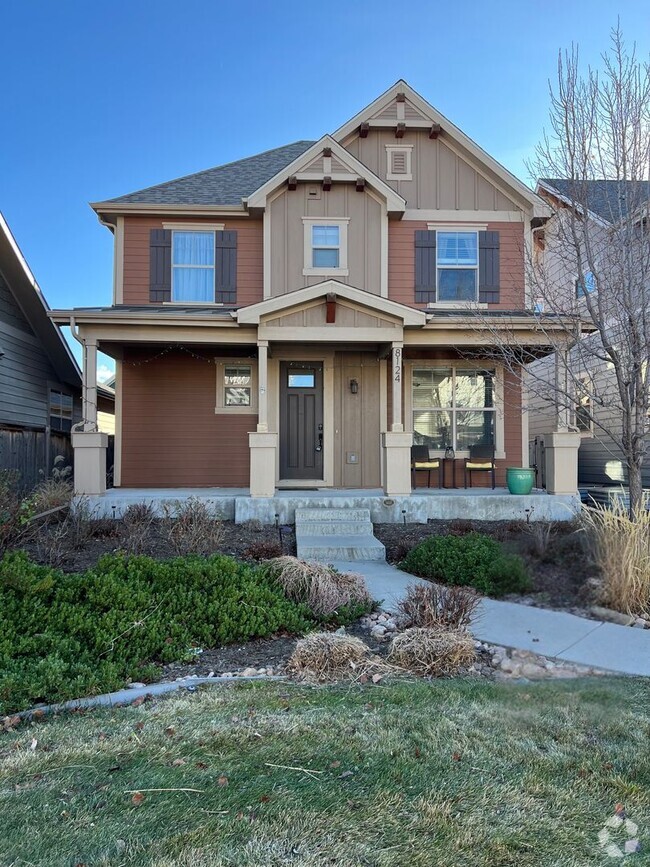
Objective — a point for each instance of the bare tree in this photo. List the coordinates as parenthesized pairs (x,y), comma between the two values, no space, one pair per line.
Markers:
(588,268)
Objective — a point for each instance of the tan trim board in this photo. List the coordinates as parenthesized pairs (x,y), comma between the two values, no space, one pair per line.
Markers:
(348,335)
(452,216)
(177,210)
(164,334)
(118,262)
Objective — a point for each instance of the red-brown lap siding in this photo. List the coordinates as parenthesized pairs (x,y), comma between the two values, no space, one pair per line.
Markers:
(401,262)
(250,258)
(171,436)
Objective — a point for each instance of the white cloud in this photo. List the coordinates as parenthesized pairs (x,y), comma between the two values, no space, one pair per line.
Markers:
(104,373)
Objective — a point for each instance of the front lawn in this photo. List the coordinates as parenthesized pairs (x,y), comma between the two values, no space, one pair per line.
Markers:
(411,773)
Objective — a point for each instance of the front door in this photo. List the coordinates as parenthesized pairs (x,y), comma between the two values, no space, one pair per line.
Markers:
(301,420)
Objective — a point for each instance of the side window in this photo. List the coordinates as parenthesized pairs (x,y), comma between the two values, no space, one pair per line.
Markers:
(586,286)
(193,266)
(60,410)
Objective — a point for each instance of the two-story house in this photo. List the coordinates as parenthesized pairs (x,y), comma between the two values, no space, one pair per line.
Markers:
(298,319)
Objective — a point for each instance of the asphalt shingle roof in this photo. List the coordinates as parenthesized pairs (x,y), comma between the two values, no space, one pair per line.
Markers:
(609,199)
(221,185)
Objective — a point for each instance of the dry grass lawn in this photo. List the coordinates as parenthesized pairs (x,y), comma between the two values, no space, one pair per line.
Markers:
(406,773)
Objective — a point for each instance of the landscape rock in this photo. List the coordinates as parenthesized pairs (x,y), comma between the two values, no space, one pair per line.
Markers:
(249,672)
(611,616)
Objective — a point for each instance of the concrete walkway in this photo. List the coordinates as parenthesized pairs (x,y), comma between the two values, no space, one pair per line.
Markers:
(621,649)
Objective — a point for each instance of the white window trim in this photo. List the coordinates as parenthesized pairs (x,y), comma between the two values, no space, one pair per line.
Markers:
(342,223)
(194,227)
(186,228)
(220,406)
(585,434)
(396,176)
(499,403)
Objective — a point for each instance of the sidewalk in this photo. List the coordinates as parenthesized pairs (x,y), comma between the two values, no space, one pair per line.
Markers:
(621,649)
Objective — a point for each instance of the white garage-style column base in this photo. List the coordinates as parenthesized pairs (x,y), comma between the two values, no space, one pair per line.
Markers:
(263,449)
(561,449)
(397,462)
(89,462)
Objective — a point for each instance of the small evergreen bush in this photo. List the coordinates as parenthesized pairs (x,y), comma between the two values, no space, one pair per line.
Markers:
(65,635)
(473,560)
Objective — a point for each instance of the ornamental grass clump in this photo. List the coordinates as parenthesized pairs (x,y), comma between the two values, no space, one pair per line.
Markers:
(621,548)
(326,656)
(433,605)
(432,652)
(473,560)
(325,590)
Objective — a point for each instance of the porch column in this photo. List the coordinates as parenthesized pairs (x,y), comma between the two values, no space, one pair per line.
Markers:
(561,455)
(262,386)
(396,442)
(263,444)
(88,443)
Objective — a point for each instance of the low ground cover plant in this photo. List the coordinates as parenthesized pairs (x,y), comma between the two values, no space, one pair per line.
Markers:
(472,560)
(64,635)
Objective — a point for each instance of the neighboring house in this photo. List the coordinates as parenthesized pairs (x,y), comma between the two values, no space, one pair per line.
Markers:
(40,381)
(604,203)
(297,319)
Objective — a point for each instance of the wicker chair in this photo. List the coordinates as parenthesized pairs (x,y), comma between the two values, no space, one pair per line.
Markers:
(420,461)
(480,460)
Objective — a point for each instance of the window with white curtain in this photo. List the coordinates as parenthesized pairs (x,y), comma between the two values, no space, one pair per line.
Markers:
(193,266)
(457,254)
(453,406)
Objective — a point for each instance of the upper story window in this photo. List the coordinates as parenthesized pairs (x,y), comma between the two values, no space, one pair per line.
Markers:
(326,246)
(398,163)
(586,286)
(60,410)
(193,258)
(457,266)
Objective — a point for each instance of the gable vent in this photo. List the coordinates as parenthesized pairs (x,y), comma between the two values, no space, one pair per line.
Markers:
(398,163)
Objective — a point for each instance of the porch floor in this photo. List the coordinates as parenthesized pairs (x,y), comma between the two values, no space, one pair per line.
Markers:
(422,505)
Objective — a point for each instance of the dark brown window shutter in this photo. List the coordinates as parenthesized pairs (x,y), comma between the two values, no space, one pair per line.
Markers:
(160,265)
(489,277)
(425,267)
(225,272)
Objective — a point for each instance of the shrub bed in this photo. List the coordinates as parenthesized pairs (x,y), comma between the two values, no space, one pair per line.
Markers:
(65,635)
(474,560)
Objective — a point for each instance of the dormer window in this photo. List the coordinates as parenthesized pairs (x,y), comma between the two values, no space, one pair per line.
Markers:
(326,246)
(398,163)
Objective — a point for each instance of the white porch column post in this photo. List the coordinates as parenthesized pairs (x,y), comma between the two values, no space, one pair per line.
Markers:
(561,445)
(262,385)
(88,443)
(262,443)
(397,443)
(397,379)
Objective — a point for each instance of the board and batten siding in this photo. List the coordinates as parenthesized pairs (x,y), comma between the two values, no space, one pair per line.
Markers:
(442,178)
(357,420)
(26,372)
(401,262)
(171,436)
(250,259)
(285,213)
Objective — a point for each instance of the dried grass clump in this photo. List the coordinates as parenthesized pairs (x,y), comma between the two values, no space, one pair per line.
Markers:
(326,656)
(321,587)
(191,528)
(432,605)
(435,652)
(621,549)
(137,523)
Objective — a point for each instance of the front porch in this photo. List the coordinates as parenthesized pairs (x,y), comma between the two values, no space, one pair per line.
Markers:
(236,504)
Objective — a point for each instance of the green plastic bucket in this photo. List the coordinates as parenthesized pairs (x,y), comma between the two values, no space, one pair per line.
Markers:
(520,480)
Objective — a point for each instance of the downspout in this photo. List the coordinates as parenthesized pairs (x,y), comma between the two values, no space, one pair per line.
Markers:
(80,425)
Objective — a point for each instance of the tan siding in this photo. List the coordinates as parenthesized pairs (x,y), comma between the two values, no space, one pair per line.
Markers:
(442,177)
(171,436)
(250,260)
(287,237)
(401,263)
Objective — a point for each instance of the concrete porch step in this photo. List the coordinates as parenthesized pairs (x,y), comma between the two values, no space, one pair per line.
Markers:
(335,514)
(334,528)
(349,548)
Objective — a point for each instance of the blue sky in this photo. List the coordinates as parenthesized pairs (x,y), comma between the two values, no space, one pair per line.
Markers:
(104,98)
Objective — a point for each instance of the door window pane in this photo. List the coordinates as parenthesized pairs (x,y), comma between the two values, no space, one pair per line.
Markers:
(300,380)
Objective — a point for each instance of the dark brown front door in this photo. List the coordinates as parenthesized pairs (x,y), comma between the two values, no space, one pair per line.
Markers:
(301,420)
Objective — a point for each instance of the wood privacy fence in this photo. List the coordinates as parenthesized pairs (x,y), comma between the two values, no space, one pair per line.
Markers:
(31,453)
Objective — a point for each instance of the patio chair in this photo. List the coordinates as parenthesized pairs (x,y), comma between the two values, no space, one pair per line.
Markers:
(480,460)
(420,461)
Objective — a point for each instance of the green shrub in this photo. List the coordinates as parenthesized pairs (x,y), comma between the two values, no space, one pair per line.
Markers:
(473,560)
(66,635)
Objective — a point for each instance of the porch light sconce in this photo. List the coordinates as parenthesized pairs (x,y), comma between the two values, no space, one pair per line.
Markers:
(354,386)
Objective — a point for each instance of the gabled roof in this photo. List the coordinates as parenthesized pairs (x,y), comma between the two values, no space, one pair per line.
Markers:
(31,301)
(395,202)
(609,200)
(449,130)
(220,186)
(251,315)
